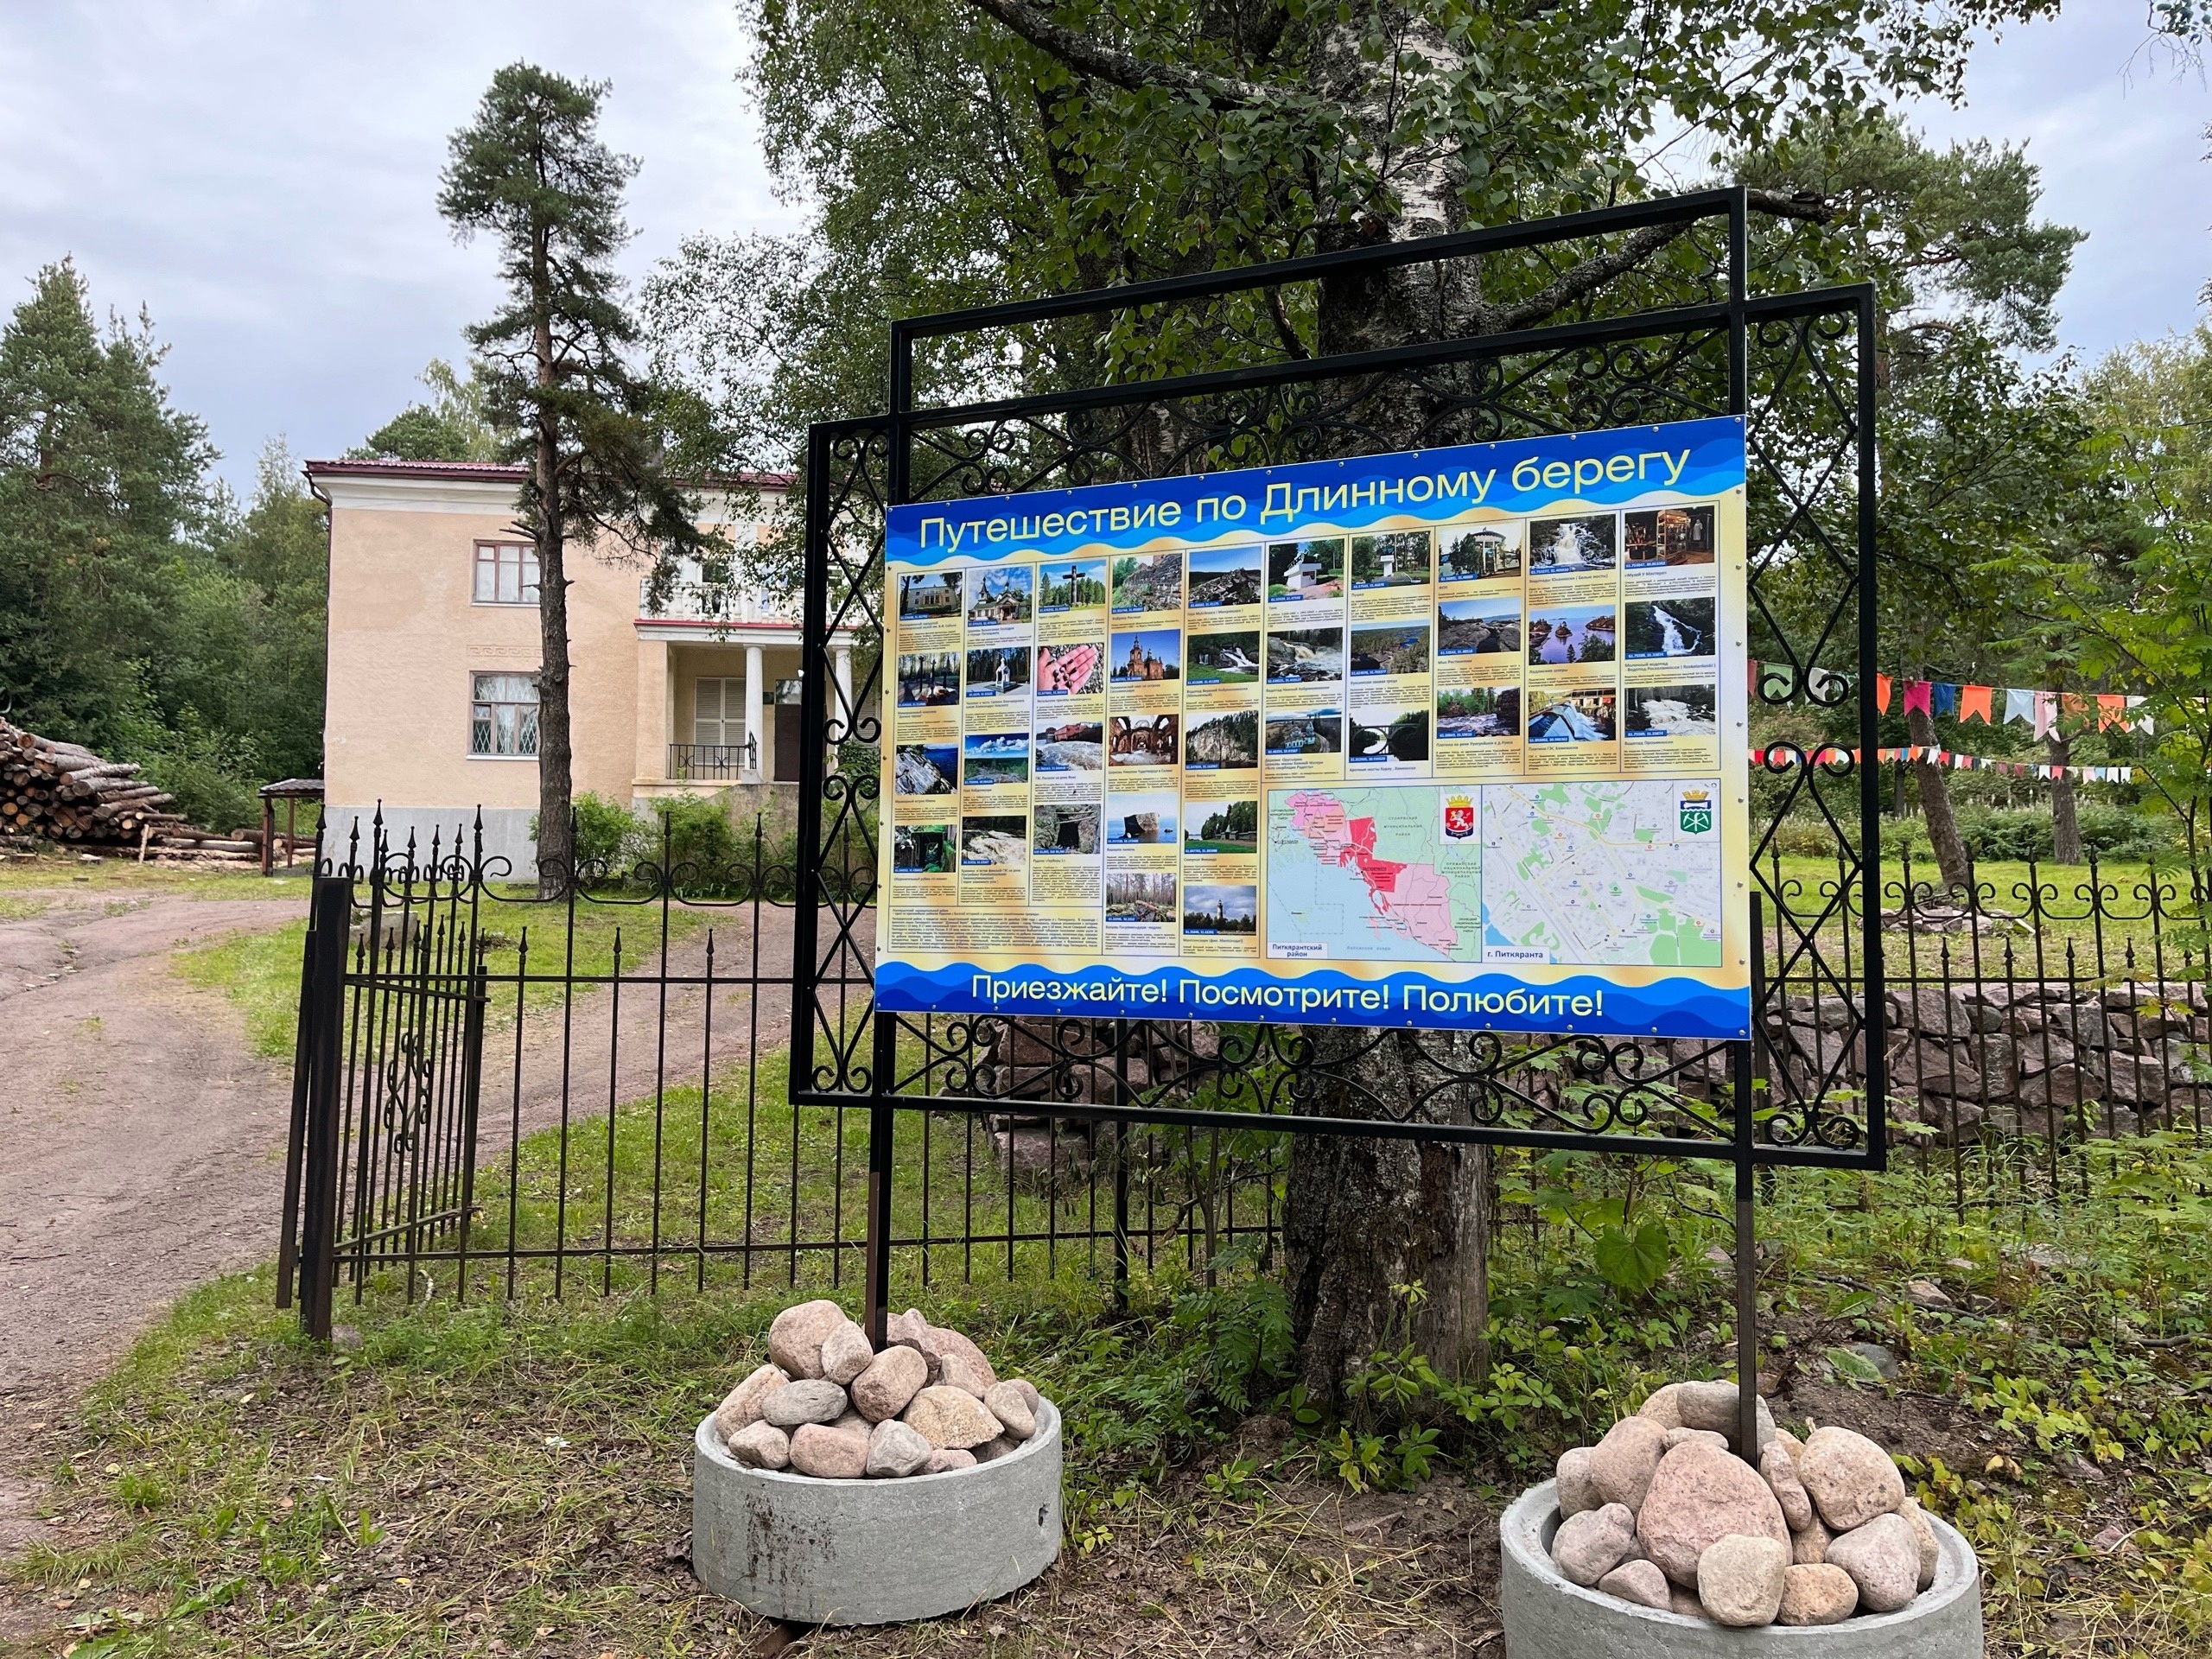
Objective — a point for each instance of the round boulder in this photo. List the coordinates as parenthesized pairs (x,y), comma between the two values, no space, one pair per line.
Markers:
(1665,1407)
(846,1352)
(1700,1496)
(892,1378)
(1588,1546)
(1016,1416)
(895,1451)
(1740,1581)
(1818,1594)
(809,1400)
(1621,1465)
(947,1418)
(829,1453)
(1929,1553)
(1849,1477)
(761,1446)
(1781,1472)
(741,1407)
(795,1339)
(1883,1558)
(1577,1491)
(1637,1581)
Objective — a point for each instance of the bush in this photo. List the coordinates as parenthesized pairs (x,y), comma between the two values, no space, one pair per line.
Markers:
(2114,831)
(609,839)
(693,838)
(2014,836)
(609,835)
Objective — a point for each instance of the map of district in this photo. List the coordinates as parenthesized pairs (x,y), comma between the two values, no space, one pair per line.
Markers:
(1367,874)
(1603,873)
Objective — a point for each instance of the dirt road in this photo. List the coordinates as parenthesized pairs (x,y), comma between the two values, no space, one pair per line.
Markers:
(141,1147)
(142,1143)
(136,1131)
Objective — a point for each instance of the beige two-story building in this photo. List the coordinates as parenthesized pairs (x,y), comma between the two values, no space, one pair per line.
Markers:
(432,701)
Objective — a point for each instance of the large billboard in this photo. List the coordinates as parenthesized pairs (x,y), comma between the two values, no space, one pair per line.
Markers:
(1451,738)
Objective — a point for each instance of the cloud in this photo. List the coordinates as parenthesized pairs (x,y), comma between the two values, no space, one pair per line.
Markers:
(262,177)
(2118,129)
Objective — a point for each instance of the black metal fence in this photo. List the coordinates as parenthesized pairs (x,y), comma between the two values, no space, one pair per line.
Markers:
(501,1089)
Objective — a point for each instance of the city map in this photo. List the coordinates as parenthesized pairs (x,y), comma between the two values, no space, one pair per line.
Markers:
(1602,871)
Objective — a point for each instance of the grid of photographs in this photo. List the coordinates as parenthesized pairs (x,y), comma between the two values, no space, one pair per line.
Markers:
(1096,735)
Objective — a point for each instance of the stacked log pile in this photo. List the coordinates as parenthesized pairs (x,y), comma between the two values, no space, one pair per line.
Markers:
(64,792)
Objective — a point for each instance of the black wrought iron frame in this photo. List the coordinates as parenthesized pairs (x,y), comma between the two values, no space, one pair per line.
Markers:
(1618,1096)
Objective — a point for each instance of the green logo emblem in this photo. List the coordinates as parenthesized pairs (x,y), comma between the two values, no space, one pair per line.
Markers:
(1697,811)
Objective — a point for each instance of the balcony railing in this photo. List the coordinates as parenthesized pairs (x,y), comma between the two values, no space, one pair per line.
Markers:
(714,762)
(693,601)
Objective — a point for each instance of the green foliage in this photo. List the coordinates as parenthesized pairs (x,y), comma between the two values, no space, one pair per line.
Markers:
(2109,830)
(454,425)
(694,843)
(596,437)
(100,486)
(142,612)
(609,838)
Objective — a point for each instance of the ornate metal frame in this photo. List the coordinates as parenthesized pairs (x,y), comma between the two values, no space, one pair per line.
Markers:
(1798,364)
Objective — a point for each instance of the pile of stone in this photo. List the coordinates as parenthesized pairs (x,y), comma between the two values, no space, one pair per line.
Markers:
(1662,1512)
(2022,1056)
(829,1404)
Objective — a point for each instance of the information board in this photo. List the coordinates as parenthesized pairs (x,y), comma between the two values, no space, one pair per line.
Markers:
(1450,738)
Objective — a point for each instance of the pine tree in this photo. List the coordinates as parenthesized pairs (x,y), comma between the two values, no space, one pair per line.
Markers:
(532,172)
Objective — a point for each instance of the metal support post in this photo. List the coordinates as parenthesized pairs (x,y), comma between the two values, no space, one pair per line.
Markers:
(881,1119)
(329,918)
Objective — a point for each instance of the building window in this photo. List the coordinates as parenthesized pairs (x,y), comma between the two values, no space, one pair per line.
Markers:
(503,715)
(507,573)
(718,715)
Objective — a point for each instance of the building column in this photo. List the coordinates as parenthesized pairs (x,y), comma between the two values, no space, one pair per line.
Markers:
(844,716)
(655,710)
(754,734)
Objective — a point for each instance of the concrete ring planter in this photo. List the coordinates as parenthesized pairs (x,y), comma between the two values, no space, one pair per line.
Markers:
(1549,1617)
(874,1552)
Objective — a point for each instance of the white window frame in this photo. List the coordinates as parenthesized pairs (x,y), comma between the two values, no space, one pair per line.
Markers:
(496,579)
(491,691)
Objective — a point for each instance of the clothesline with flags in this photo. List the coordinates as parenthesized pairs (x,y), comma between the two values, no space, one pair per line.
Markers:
(1993,705)
(1956,761)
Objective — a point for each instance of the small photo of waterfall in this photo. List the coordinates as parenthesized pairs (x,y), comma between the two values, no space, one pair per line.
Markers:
(1671,711)
(1574,547)
(1668,627)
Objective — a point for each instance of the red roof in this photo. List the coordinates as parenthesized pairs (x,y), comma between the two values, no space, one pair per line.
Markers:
(492,471)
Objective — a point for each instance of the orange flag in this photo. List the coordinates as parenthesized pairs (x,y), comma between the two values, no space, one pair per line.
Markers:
(1882,692)
(1974,704)
(2112,710)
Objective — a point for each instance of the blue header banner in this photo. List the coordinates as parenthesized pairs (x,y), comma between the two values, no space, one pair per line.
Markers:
(1686,458)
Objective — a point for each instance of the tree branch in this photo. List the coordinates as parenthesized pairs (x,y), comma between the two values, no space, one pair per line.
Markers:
(1099,61)
(1579,280)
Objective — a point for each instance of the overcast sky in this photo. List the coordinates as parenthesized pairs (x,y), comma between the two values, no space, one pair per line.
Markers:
(260,175)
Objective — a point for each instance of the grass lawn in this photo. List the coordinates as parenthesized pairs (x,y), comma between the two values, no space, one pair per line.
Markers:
(2102,948)
(260,972)
(510,1476)
(120,872)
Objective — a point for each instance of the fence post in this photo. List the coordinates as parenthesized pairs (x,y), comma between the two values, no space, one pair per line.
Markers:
(324,997)
(880,1118)
(288,1245)
(1742,1058)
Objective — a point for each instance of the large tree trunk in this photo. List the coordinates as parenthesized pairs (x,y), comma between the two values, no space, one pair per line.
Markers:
(556,844)
(1362,1214)
(1935,801)
(2065,821)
